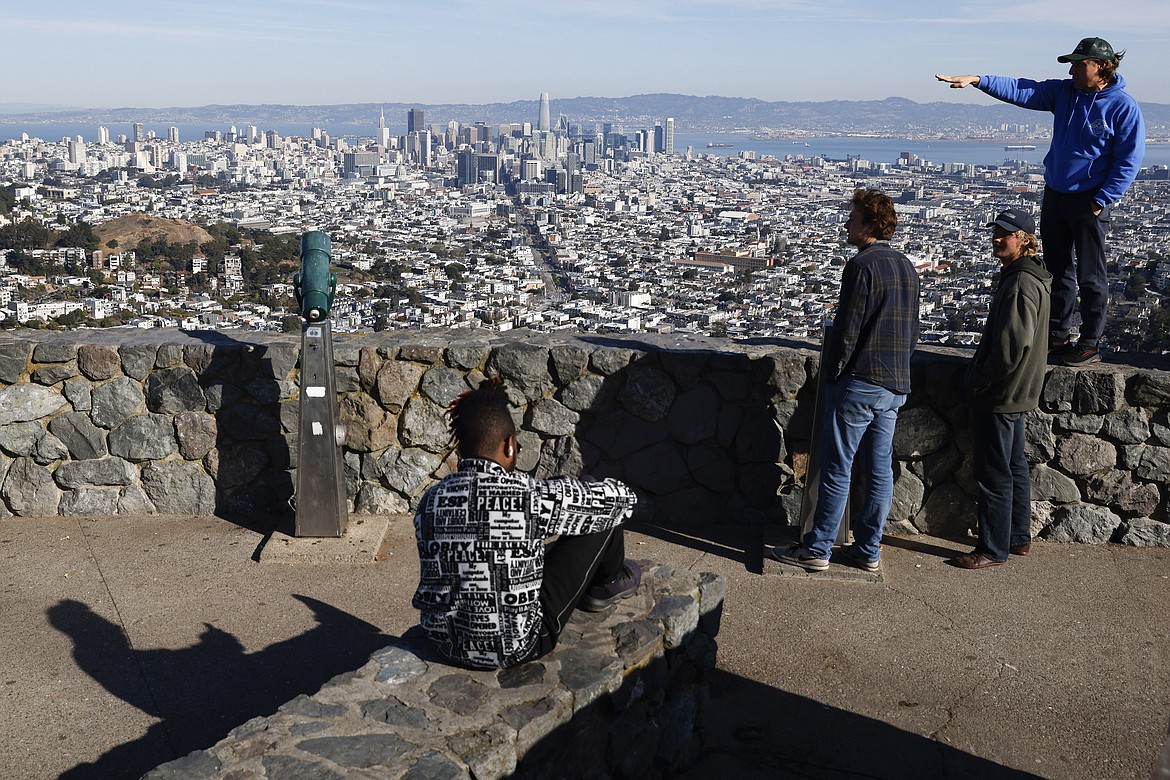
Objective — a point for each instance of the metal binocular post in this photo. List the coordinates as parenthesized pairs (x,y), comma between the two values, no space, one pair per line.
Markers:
(320,495)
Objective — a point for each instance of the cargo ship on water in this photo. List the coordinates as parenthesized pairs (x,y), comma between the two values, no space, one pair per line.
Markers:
(720,146)
(1019,148)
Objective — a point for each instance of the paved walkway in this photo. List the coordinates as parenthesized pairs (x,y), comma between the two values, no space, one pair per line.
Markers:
(129,641)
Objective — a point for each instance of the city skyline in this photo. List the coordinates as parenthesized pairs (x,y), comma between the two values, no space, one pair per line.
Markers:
(321,52)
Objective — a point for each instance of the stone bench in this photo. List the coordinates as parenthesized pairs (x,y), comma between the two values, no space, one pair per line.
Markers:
(619,697)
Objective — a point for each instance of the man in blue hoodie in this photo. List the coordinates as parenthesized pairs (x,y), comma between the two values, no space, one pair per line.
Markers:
(1098,141)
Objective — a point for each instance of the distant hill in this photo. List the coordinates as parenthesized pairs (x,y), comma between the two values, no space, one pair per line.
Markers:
(892,116)
(132,229)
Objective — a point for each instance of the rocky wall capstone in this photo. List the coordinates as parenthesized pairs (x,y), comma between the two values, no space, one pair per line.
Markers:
(705,430)
(619,697)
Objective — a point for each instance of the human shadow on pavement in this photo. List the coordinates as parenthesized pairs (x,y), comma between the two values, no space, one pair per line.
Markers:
(737,543)
(752,731)
(202,692)
(915,544)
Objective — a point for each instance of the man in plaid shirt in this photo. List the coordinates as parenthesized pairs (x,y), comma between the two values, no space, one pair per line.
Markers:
(489,593)
(867,371)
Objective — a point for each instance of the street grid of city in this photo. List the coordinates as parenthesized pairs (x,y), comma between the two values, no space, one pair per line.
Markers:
(546,224)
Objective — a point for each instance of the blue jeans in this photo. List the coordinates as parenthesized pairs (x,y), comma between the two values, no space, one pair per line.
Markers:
(1005,484)
(859,420)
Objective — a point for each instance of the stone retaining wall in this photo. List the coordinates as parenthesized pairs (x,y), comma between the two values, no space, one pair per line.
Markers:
(168,422)
(620,697)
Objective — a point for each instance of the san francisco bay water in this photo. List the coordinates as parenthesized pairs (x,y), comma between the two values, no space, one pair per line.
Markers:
(876,150)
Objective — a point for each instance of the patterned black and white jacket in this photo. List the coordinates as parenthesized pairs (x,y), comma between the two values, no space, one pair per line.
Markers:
(481,533)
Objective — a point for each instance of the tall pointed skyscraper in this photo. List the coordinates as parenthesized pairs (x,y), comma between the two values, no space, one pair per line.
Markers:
(544,125)
(383,131)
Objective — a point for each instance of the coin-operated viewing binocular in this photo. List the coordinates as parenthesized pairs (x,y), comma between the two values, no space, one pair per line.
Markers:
(315,286)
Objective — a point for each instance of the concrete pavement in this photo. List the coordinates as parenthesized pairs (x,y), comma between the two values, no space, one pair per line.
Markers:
(131,641)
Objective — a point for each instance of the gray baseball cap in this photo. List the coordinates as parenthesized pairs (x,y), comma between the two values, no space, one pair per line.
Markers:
(1012,220)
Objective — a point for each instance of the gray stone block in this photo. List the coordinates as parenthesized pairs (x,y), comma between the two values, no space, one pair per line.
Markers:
(145,437)
(93,501)
(179,488)
(51,375)
(29,489)
(467,355)
(137,359)
(20,438)
(116,400)
(610,360)
(397,382)
(54,352)
(648,392)
(13,361)
(584,393)
(102,471)
(524,368)
(1098,392)
(551,418)
(173,390)
(442,385)
(569,361)
(357,752)
(1048,484)
(424,424)
(1144,532)
(1128,426)
(694,416)
(1150,390)
(1081,523)
(919,432)
(80,394)
(25,403)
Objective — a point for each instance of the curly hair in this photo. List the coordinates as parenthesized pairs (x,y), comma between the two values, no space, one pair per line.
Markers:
(1031,245)
(480,418)
(878,211)
(1108,70)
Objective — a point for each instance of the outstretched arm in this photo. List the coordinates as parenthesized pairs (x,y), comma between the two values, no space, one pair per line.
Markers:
(958,82)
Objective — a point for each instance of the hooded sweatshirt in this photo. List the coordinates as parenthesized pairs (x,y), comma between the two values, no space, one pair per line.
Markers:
(1098,138)
(1007,373)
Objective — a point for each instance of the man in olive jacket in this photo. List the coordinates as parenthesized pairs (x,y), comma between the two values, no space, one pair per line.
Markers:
(1003,383)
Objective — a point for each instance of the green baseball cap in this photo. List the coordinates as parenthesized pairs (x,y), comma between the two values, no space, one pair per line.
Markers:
(1090,49)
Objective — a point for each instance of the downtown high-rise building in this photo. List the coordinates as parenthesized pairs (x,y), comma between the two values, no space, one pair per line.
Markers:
(668,136)
(103,135)
(466,167)
(139,134)
(173,134)
(383,131)
(544,123)
(414,120)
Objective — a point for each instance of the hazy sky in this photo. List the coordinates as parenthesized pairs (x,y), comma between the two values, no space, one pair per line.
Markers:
(117,53)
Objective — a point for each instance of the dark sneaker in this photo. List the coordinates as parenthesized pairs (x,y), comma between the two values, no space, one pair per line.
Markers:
(796,555)
(1081,356)
(857,559)
(598,597)
(1059,346)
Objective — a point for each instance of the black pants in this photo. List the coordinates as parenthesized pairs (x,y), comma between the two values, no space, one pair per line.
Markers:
(1074,251)
(572,564)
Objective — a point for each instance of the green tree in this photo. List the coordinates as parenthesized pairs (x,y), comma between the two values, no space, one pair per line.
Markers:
(79,234)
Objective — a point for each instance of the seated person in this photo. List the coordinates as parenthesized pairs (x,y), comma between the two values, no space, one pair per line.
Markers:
(489,594)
